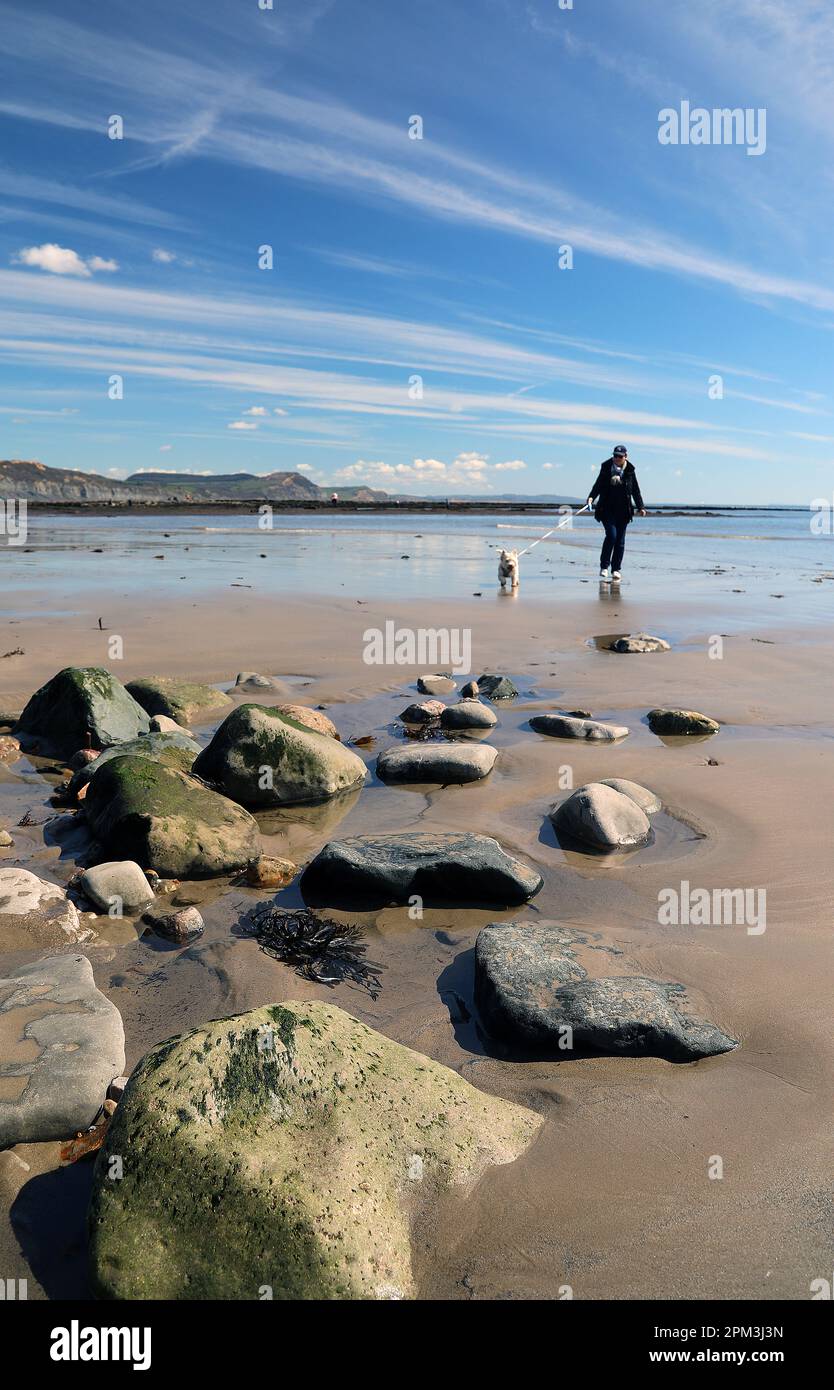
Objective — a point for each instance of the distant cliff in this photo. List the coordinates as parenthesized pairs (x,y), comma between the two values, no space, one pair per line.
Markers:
(37,483)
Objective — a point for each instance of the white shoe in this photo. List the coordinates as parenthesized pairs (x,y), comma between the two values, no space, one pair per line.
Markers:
(616,577)
(604,576)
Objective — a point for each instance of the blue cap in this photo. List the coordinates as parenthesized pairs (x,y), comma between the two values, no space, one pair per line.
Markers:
(620,450)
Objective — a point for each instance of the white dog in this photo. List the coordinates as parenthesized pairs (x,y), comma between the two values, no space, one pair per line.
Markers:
(508,568)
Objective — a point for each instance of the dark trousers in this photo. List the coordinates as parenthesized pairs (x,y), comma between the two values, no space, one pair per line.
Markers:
(614,544)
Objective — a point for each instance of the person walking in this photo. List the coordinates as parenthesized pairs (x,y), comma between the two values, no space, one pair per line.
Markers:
(615,497)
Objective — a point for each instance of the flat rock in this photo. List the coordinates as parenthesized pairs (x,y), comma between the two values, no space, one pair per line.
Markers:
(681,721)
(601,816)
(648,801)
(436,762)
(118,882)
(450,866)
(567,726)
(253,680)
(61,1044)
(176,749)
(181,700)
(639,642)
(425,713)
(81,703)
(468,714)
(497,687)
(291,1147)
(168,820)
(314,719)
(437,684)
(34,912)
(543,986)
(261,757)
(181,926)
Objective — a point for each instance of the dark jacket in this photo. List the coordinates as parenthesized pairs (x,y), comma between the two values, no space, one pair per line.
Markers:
(604,490)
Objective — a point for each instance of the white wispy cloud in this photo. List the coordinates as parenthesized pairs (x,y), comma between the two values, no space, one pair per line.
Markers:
(62,260)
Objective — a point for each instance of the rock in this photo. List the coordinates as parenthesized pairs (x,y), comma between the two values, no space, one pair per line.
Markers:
(470,691)
(109,1108)
(639,642)
(681,721)
(169,749)
(450,866)
(436,685)
(311,719)
(255,681)
(9,749)
(80,706)
(268,872)
(533,990)
(163,724)
(116,1089)
(167,820)
(603,817)
(34,912)
(425,713)
(277,1148)
(182,926)
(565,726)
(436,762)
(80,1046)
(468,714)
(6,841)
(497,687)
(648,801)
(261,757)
(120,881)
(181,700)
(82,756)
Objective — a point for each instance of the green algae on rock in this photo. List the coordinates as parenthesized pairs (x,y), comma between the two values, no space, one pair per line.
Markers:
(168,820)
(78,703)
(681,721)
(289,1147)
(261,756)
(178,699)
(170,749)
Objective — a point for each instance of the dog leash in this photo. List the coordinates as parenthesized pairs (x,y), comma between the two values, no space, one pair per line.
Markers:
(563,522)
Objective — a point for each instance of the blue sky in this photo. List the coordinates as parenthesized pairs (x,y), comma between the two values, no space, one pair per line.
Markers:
(436,258)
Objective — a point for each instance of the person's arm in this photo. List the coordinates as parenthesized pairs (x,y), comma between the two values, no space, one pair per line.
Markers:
(636,493)
(595,490)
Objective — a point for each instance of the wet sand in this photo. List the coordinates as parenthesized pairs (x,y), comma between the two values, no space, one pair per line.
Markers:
(614,1200)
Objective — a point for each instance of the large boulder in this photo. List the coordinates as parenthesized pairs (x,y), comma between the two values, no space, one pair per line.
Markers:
(567,726)
(681,721)
(36,913)
(261,757)
(181,700)
(80,703)
(168,820)
(468,714)
(290,1148)
(603,817)
(54,1080)
(639,642)
(542,986)
(447,866)
(436,762)
(170,749)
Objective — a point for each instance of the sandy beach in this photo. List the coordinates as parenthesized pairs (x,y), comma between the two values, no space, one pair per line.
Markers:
(614,1200)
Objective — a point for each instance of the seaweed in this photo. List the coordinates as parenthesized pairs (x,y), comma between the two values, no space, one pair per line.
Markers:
(318,948)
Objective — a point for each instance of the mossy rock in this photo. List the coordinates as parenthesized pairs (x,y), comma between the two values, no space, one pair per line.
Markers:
(290,1147)
(180,700)
(78,703)
(171,750)
(261,756)
(681,721)
(167,820)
